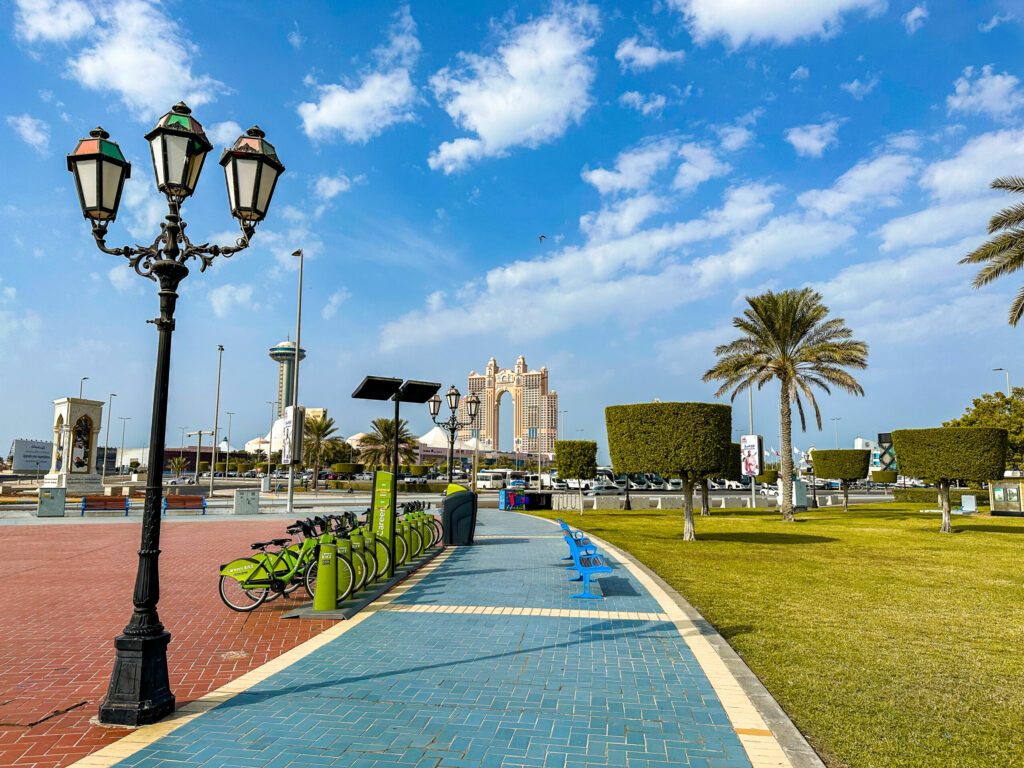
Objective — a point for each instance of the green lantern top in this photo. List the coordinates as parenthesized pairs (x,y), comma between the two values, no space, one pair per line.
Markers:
(98,143)
(180,121)
(253,142)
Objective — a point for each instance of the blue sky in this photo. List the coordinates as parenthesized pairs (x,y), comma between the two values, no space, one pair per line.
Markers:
(677,156)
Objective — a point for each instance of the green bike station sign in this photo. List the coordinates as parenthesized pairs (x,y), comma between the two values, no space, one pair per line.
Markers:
(383,523)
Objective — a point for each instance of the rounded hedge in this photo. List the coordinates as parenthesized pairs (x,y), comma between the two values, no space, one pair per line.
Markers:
(768,477)
(670,438)
(845,464)
(942,454)
(576,459)
(419,470)
(346,469)
(884,476)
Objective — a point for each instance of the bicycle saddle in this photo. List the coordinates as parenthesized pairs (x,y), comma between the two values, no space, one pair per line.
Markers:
(260,544)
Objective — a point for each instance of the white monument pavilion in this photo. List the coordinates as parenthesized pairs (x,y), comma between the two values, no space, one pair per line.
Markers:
(76,426)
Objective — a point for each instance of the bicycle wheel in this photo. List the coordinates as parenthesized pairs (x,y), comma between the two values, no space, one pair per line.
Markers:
(436,529)
(383,557)
(415,543)
(237,598)
(401,550)
(371,566)
(346,579)
(359,571)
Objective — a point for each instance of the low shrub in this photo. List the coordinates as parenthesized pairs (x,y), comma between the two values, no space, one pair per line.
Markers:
(884,476)
(931,495)
(769,476)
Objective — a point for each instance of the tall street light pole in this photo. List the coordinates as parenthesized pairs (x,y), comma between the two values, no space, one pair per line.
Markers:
(120,455)
(270,434)
(1007,374)
(199,450)
(139,691)
(106,440)
(750,415)
(227,464)
(835,423)
(452,424)
(216,415)
(296,433)
(81,385)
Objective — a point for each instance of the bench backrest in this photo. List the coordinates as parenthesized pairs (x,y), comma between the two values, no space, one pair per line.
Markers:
(184,502)
(104,502)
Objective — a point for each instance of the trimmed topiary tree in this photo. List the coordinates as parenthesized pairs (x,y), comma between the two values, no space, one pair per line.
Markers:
(944,454)
(688,440)
(845,465)
(419,470)
(884,476)
(768,477)
(576,460)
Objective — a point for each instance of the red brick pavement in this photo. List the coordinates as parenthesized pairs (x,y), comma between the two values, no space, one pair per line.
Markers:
(66,593)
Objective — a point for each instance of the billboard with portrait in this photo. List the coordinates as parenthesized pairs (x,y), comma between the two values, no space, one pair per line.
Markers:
(751,455)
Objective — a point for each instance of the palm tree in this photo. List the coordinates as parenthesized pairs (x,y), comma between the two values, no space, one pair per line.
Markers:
(377,447)
(316,434)
(788,336)
(1004,253)
(178,465)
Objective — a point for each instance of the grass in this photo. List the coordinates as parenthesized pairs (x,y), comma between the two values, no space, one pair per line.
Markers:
(888,644)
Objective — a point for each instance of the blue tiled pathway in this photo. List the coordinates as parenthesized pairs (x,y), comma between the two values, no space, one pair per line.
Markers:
(444,690)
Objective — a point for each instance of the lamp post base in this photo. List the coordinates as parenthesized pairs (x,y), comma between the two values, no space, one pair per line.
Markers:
(139,692)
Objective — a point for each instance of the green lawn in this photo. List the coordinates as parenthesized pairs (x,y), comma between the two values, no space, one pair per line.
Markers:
(887,643)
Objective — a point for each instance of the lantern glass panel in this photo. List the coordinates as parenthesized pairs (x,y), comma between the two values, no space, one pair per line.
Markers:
(86,175)
(267,178)
(229,175)
(111,184)
(195,166)
(177,159)
(245,171)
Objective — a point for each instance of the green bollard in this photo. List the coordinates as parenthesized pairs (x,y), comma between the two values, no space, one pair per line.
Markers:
(326,596)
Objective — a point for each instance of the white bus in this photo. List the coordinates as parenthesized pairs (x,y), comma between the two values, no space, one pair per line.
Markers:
(496,479)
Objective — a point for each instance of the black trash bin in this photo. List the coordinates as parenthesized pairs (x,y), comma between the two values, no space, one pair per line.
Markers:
(459,518)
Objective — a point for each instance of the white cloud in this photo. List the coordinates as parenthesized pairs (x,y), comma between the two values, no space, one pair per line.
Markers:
(800,73)
(635,56)
(528,93)
(223,134)
(143,56)
(16,323)
(915,18)
(31,130)
(621,218)
(335,301)
(938,224)
(329,187)
(225,297)
(859,89)
(970,171)
(986,93)
(812,140)
(576,284)
(648,105)
(145,208)
(124,279)
(735,137)
(743,21)
(635,168)
(875,182)
(995,21)
(295,38)
(51,20)
(699,164)
(383,97)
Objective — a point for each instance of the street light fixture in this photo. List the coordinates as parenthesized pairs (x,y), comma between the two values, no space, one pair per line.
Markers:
(106,440)
(835,423)
(139,691)
(1007,374)
(452,425)
(81,384)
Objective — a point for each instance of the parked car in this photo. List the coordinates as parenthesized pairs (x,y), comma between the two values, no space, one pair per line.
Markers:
(733,485)
(656,482)
(638,482)
(252,473)
(559,485)
(603,489)
(365,476)
(183,480)
(517,483)
(675,484)
(768,490)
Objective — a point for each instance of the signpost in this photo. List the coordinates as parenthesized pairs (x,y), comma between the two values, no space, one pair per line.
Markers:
(383,523)
(751,462)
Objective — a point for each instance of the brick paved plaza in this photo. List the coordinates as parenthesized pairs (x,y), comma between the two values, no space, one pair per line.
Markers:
(68,592)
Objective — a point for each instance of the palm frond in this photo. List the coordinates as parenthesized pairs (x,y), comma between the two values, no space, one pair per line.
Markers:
(1009,184)
(1007,218)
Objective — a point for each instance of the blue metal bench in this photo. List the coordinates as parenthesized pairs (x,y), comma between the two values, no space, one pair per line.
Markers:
(185,502)
(586,562)
(106,503)
(578,537)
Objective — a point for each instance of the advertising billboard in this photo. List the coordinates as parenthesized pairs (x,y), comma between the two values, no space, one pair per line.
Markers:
(751,455)
(291,445)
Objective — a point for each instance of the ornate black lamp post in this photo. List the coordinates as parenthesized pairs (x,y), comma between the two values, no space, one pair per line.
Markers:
(139,691)
(452,425)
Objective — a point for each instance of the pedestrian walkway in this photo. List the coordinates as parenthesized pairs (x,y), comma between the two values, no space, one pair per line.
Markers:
(482,660)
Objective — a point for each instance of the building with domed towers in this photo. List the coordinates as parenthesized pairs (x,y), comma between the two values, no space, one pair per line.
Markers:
(535,420)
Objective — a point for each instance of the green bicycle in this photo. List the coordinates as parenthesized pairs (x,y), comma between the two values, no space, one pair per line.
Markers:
(248,582)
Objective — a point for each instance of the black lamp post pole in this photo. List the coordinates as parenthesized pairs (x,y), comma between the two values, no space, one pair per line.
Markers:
(139,689)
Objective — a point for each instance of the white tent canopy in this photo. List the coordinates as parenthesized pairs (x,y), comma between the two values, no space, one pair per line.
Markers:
(438,438)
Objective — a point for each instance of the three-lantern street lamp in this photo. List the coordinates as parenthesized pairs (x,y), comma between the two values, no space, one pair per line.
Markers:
(139,690)
(452,425)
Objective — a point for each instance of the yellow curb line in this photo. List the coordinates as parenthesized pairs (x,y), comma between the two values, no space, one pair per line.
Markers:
(145,735)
